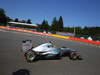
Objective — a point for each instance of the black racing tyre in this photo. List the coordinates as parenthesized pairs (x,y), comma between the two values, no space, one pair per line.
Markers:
(30,56)
(80,57)
(73,56)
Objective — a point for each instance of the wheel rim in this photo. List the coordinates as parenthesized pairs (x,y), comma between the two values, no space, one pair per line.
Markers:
(30,57)
(74,57)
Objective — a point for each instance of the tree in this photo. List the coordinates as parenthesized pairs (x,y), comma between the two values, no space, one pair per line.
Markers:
(23,21)
(85,31)
(54,26)
(29,21)
(3,19)
(8,19)
(91,31)
(60,24)
(78,30)
(16,20)
(45,25)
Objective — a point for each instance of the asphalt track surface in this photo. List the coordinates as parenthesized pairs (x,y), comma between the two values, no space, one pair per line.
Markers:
(12,59)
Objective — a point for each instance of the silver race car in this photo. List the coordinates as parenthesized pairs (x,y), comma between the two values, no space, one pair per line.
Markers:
(47,50)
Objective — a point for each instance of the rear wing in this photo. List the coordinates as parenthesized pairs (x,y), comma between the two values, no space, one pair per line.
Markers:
(26,45)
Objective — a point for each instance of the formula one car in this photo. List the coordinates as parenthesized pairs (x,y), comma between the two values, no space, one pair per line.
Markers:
(47,50)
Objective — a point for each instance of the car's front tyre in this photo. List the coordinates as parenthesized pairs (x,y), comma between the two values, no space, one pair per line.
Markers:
(30,56)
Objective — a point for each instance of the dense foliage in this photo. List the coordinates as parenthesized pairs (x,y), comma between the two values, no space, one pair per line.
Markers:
(3,18)
(56,26)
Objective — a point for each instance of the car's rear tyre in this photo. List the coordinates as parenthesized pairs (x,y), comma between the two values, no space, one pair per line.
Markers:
(80,57)
(73,56)
(30,56)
